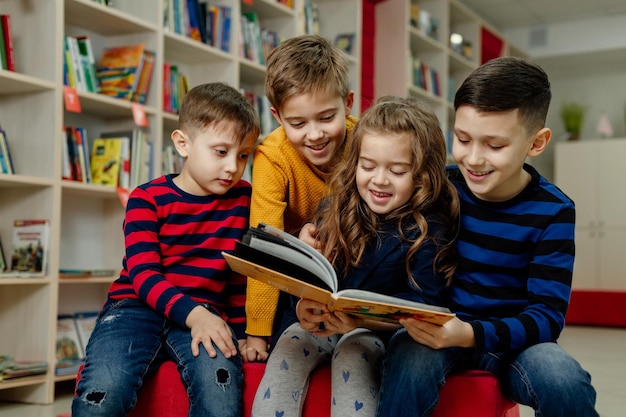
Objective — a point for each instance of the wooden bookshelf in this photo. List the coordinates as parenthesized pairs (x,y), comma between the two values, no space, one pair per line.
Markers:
(86,219)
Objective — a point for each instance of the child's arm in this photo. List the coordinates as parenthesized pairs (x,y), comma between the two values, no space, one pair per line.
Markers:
(268,205)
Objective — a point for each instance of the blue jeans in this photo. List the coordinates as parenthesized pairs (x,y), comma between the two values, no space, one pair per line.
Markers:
(542,376)
(129,341)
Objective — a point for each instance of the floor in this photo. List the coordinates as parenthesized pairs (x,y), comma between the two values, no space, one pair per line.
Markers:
(601,351)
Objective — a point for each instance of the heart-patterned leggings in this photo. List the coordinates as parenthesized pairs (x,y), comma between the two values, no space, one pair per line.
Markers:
(356,359)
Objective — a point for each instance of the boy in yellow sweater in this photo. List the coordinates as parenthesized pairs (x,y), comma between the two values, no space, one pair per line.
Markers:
(307,85)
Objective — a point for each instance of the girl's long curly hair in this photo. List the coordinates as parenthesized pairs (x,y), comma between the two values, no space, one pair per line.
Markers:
(345,224)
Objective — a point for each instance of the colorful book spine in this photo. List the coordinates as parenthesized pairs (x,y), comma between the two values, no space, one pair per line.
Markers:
(5,21)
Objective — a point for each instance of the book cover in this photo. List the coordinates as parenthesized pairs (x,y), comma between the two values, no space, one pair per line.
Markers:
(31,238)
(76,64)
(129,139)
(68,348)
(285,262)
(88,62)
(106,161)
(117,69)
(85,322)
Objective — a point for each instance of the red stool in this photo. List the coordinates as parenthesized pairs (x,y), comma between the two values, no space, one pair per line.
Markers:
(468,394)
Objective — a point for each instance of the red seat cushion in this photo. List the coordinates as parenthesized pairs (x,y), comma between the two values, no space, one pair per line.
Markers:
(468,394)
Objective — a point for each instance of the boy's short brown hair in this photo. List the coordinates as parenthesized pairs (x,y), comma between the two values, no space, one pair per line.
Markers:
(211,103)
(305,64)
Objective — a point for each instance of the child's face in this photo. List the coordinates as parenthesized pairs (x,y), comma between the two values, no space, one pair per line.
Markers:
(383,176)
(315,124)
(490,149)
(215,160)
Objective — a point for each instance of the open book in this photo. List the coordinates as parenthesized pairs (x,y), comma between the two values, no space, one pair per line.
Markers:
(279,259)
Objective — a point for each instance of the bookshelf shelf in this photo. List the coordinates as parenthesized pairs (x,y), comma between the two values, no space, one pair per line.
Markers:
(16,83)
(105,20)
(86,219)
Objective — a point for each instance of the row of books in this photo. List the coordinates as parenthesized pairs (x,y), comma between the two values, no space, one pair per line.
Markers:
(73,332)
(11,368)
(30,246)
(115,158)
(171,161)
(122,71)
(256,42)
(199,20)
(7,59)
(262,105)
(6,161)
(175,86)
(425,77)
(311,18)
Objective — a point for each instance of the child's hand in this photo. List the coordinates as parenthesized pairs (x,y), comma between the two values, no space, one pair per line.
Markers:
(308,234)
(453,333)
(255,349)
(207,329)
(342,323)
(312,316)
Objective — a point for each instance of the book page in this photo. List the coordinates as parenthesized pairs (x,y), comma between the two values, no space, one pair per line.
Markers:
(302,246)
(294,241)
(295,257)
(380,307)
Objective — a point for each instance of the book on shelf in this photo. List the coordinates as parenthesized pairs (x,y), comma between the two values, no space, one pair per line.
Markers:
(69,354)
(85,322)
(3,260)
(15,369)
(107,157)
(6,161)
(3,52)
(5,22)
(31,239)
(88,63)
(87,273)
(76,71)
(138,168)
(120,69)
(283,261)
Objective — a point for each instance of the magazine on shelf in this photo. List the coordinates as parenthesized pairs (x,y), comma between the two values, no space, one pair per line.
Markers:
(279,259)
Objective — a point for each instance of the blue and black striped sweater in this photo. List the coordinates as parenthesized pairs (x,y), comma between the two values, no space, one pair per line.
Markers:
(516,259)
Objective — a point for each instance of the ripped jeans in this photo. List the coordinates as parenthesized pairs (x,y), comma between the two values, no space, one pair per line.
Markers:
(129,341)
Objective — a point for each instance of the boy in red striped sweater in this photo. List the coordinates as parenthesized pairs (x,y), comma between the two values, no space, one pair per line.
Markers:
(176,297)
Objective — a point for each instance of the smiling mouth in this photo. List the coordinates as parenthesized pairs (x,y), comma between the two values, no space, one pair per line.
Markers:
(379,194)
(318,147)
(479,173)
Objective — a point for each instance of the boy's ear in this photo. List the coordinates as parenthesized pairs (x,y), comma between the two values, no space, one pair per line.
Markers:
(540,142)
(349,102)
(276,115)
(180,142)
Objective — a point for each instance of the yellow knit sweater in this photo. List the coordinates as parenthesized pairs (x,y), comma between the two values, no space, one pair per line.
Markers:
(286,190)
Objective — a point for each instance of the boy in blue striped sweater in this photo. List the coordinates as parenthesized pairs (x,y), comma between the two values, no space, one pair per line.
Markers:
(176,298)
(516,255)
